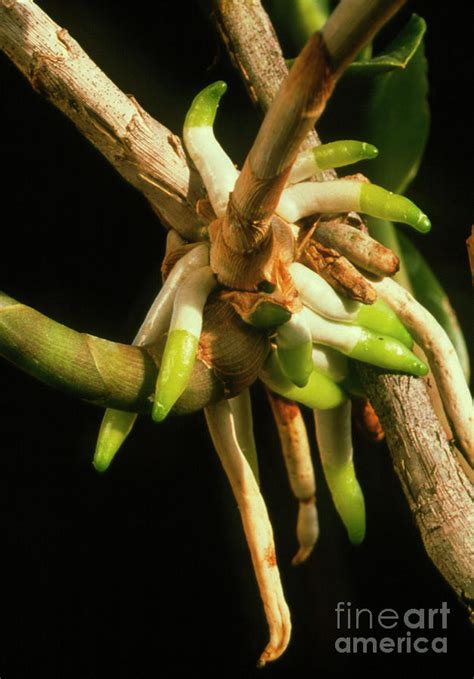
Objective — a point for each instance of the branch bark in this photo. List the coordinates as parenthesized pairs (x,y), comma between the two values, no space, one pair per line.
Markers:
(143,151)
(439,494)
(434,483)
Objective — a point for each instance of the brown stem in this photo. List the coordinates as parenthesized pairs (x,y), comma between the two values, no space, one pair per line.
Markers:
(292,114)
(352,26)
(142,150)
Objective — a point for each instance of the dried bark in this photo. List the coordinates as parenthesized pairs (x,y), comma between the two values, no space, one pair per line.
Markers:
(439,493)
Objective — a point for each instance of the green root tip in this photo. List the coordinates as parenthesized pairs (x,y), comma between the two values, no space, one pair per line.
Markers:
(101,465)
(175,371)
(356,535)
(424,224)
(341,153)
(420,369)
(159,412)
(348,500)
(297,363)
(369,150)
(116,426)
(379,317)
(202,112)
(388,353)
(378,202)
(269,315)
(320,392)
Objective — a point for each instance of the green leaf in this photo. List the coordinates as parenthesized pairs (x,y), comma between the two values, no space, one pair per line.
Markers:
(388,109)
(397,122)
(430,293)
(397,54)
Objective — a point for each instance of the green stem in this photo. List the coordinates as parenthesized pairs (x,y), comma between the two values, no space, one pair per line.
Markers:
(106,373)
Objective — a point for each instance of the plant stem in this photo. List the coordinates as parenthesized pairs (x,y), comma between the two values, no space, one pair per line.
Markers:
(106,373)
(293,113)
(352,26)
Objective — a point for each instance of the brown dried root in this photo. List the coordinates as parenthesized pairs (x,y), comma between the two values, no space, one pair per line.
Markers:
(470,252)
(358,247)
(366,419)
(258,530)
(338,271)
(297,455)
(241,408)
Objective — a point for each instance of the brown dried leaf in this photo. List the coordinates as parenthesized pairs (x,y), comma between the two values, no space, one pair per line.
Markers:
(233,349)
(246,271)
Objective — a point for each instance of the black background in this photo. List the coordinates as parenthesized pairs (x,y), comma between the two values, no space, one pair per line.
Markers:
(144,571)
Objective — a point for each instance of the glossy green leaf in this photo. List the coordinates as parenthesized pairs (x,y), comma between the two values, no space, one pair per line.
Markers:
(397,55)
(388,109)
(397,122)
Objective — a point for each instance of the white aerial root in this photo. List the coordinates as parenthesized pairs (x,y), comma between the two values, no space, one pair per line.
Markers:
(330,362)
(331,155)
(158,317)
(334,436)
(217,170)
(299,465)
(182,341)
(441,356)
(340,336)
(258,530)
(294,349)
(318,295)
(173,241)
(308,198)
(241,407)
(190,299)
(345,195)
(117,424)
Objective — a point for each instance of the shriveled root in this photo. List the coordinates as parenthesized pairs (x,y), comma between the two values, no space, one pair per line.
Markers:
(258,530)
(442,358)
(297,455)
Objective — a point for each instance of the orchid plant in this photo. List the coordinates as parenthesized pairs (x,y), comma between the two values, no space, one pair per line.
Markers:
(270,273)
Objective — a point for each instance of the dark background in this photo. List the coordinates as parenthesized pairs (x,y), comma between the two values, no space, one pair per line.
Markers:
(144,571)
